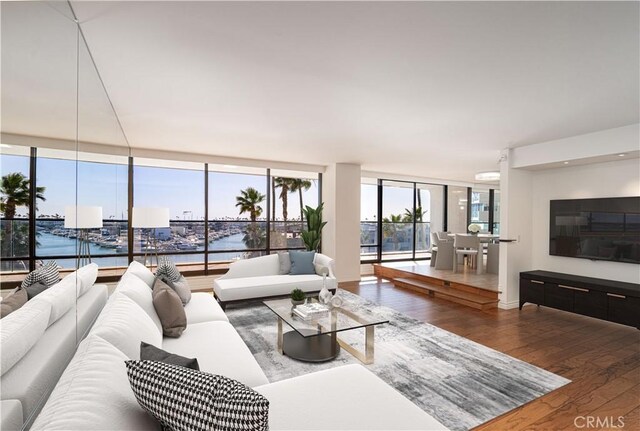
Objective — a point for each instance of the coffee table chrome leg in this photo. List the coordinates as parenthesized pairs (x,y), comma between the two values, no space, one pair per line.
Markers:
(368,341)
(367,356)
(280,335)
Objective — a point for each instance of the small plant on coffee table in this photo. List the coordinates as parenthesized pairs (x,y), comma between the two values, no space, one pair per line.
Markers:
(297,297)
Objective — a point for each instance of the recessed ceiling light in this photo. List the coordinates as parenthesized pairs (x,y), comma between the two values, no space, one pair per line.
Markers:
(621,155)
(488,176)
(566,163)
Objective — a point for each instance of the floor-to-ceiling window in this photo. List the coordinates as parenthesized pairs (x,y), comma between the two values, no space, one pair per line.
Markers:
(480,213)
(397,220)
(238,212)
(67,179)
(178,186)
(290,191)
(496,212)
(429,216)
(14,170)
(369,220)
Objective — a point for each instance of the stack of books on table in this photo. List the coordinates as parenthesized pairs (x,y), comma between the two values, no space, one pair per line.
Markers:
(310,311)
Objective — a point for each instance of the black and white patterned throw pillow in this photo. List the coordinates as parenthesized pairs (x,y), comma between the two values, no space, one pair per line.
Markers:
(48,274)
(185,399)
(167,270)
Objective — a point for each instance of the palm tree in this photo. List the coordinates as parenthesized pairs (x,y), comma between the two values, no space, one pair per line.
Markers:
(299,185)
(15,189)
(249,201)
(284,184)
(390,228)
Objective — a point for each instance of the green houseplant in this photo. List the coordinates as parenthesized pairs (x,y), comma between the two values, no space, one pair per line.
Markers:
(297,297)
(313,234)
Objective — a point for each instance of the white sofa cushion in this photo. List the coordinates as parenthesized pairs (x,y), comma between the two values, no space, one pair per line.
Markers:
(61,297)
(138,291)
(142,272)
(203,308)
(219,350)
(32,379)
(94,394)
(234,289)
(21,330)
(353,398)
(125,324)
(11,411)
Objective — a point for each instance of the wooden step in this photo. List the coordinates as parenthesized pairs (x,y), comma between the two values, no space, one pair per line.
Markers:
(474,300)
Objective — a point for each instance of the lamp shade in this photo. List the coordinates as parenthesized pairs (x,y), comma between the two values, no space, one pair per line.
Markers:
(150,217)
(82,217)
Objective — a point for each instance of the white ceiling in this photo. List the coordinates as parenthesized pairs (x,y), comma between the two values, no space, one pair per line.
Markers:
(430,89)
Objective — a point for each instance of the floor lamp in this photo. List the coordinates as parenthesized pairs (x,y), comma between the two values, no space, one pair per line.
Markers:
(150,218)
(83,218)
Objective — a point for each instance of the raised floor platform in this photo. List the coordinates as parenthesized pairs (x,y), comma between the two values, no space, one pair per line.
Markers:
(466,288)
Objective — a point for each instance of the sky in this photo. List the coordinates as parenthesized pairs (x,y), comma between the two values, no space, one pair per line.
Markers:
(181,190)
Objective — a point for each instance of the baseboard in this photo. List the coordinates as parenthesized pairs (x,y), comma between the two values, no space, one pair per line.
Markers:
(508,305)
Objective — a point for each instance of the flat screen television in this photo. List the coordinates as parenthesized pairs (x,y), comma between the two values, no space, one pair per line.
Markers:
(596,229)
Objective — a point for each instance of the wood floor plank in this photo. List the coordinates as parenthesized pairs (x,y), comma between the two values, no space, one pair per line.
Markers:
(601,358)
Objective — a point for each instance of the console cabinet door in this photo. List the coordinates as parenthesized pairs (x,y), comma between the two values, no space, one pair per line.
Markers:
(590,303)
(625,310)
(558,297)
(531,291)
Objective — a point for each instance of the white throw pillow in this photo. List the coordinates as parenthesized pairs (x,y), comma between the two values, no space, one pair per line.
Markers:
(94,394)
(21,330)
(136,289)
(61,297)
(125,324)
(142,272)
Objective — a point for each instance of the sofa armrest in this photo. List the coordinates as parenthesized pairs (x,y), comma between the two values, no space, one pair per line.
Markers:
(324,260)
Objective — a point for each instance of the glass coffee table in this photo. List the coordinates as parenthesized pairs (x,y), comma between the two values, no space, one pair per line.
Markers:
(317,340)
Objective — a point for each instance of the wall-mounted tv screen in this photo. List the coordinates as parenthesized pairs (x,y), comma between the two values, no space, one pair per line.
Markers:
(597,229)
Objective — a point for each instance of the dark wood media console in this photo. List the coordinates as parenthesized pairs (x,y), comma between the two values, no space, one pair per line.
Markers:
(615,301)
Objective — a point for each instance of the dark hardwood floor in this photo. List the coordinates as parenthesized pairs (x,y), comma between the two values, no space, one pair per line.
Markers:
(601,358)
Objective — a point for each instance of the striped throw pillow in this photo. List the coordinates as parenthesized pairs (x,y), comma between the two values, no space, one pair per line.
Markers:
(48,274)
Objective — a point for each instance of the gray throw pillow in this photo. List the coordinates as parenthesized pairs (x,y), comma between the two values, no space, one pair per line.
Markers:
(35,289)
(285,262)
(302,262)
(181,286)
(169,308)
(150,352)
(12,302)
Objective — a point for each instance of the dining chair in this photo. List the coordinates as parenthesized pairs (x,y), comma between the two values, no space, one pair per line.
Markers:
(434,248)
(443,236)
(467,245)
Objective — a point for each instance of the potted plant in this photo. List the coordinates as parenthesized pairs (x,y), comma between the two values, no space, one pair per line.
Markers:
(297,297)
(313,234)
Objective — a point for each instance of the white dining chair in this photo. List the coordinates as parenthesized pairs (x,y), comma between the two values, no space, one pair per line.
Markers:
(467,245)
(434,248)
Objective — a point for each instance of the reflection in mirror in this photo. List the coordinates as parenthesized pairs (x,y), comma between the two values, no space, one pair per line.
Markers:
(39,93)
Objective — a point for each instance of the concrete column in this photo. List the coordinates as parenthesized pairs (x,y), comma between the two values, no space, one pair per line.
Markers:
(515,223)
(341,235)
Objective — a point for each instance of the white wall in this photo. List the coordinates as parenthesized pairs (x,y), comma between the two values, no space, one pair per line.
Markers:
(612,179)
(341,235)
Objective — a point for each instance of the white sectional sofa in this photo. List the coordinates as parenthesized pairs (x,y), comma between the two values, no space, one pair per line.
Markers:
(260,278)
(94,392)
(40,338)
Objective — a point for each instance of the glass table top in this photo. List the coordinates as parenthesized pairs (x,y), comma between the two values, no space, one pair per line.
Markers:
(343,318)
